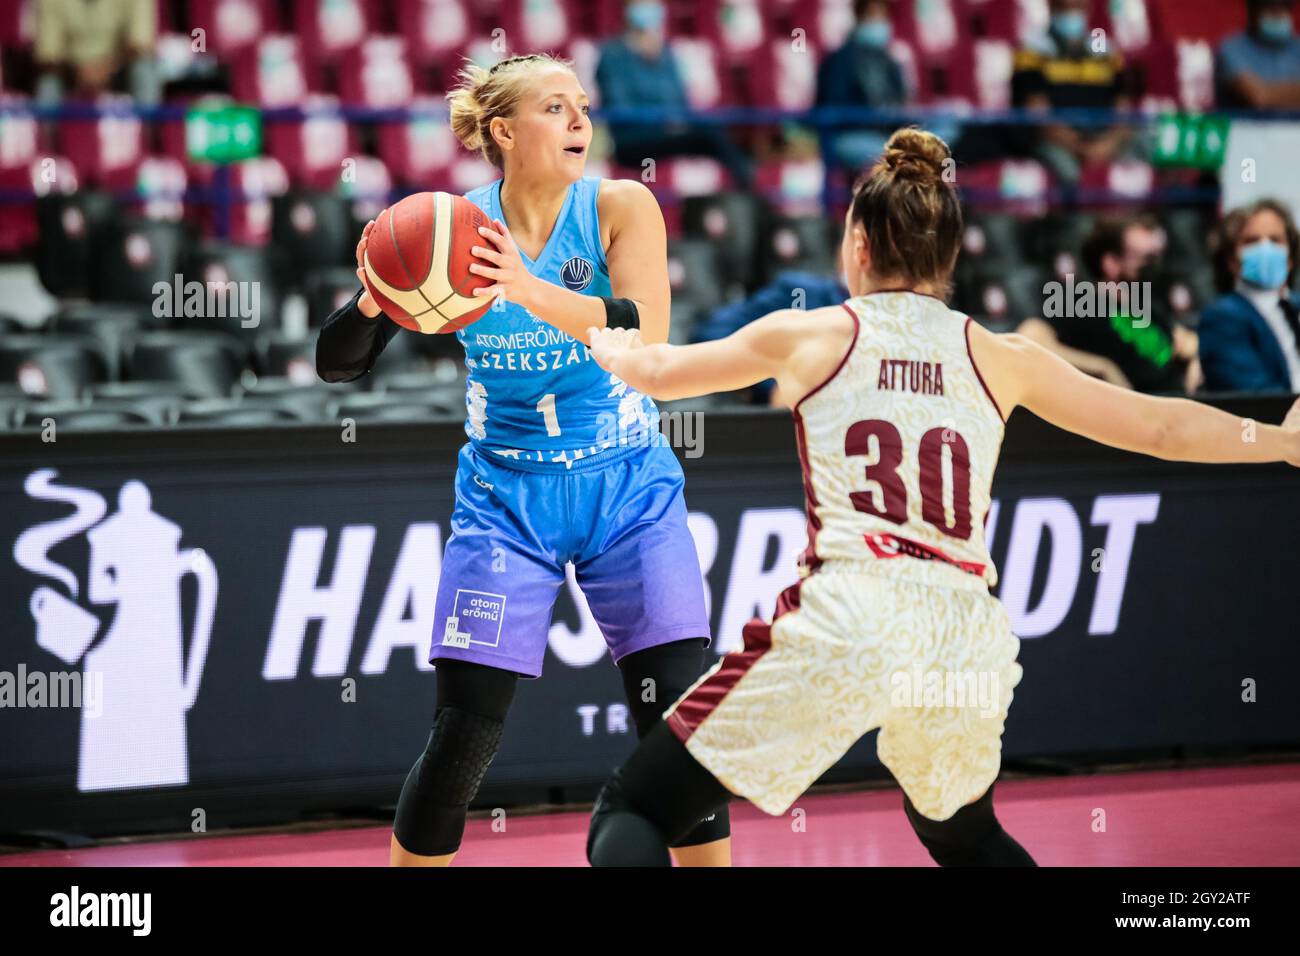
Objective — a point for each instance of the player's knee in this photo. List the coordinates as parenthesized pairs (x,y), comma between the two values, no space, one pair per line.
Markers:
(619,835)
(962,832)
(430,819)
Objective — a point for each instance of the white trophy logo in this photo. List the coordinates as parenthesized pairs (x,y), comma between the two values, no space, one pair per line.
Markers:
(135,563)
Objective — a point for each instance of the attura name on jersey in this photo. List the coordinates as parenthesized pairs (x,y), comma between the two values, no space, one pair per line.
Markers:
(909,375)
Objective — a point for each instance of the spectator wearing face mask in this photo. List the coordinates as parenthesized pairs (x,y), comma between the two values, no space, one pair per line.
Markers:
(1260,68)
(1150,352)
(637,70)
(1250,337)
(862,74)
(1069,69)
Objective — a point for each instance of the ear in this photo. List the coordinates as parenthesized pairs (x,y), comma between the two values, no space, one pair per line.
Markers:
(862,249)
(499,130)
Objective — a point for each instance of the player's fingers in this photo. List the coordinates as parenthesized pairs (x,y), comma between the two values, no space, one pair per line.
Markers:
(490,291)
(494,237)
(592,332)
(491,255)
(479,269)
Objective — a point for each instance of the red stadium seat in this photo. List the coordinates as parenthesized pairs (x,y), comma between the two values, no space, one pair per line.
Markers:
(736,28)
(328,28)
(313,149)
(159,183)
(536,25)
(377,74)
(783,76)
(231,26)
(271,72)
(435,29)
(421,151)
(17,24)
(792,186)
(103,149)
(701,75)
(370,187)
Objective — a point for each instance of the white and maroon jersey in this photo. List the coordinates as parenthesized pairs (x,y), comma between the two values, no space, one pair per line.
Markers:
(899,445)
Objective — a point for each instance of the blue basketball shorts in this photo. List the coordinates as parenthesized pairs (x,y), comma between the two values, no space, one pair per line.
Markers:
(619,517)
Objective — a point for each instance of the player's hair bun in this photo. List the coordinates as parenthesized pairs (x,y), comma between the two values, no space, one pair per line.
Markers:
(916,154)
(481,95)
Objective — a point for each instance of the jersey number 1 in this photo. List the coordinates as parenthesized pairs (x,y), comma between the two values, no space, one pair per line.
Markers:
(893,493)
(547,407)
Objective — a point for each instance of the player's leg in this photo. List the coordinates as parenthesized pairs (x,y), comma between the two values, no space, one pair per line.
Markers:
(946,754)
(491,616)
(655,799)
(970,837)
(653,679)
(471,710)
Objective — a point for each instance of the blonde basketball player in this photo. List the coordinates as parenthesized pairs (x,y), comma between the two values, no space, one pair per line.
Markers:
(899,405)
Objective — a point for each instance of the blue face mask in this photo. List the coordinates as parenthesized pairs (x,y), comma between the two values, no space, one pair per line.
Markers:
(874,33)
(645,16)
(1264,265)
(1070,25)
(1276,28)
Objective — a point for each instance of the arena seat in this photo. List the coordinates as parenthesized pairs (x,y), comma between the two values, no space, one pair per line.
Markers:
(72,227)
(734,222)
(235,411)
(310,230)
(694,272)
(112,326)
(391,406)
(77,416)
(232,25)
(327,289)
(377,73)
(136,254)
(106,148)
(206,364)
(218,265)
(436,29)
(804,243)
(281,355)
(51,366)
(421,151)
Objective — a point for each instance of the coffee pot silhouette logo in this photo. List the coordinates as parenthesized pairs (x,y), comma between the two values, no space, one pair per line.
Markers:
(139,740)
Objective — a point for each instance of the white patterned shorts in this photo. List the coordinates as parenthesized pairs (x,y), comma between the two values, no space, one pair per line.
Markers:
(931,665)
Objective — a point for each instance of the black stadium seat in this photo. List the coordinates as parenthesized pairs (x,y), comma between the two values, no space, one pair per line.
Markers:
(234,278)
(327,289)
(70,240)
(734,222)
(206,364)
(51,366)
(235,411)
(134,256)
(695,273)
(282,355)
(804,243)
(311,230)
(114,326)
(79,416)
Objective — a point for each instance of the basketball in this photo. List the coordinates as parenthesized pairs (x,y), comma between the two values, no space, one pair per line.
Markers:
(417,262)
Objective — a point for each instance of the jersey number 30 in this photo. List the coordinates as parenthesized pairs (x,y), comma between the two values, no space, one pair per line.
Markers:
(893,493)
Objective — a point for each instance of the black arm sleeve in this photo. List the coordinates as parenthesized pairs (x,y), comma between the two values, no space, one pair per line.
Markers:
(349,342)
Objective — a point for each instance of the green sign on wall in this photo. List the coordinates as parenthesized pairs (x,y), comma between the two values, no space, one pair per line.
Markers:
(223,134)
(1198,141)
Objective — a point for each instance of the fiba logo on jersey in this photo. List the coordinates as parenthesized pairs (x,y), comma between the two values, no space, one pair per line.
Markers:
(576,274)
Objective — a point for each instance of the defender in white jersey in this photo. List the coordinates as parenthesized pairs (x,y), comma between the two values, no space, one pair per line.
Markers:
(899,421)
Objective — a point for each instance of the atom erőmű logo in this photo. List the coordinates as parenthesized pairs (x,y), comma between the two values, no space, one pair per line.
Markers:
(150,682)
(576,274)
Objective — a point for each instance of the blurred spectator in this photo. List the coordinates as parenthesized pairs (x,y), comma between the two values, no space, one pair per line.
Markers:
(862,73)
(86,47)
(1250,335)
(637,70)
(805,290)
(1156,354)
(1260,68)
(1069,69)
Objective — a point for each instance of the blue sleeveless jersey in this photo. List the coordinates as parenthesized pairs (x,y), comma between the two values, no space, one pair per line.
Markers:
(534,393)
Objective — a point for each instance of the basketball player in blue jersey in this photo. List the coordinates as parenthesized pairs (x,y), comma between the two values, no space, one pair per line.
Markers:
(564,462)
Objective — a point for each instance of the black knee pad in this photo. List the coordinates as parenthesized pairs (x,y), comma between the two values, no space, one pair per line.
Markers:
(620,836)
(653,679)
(430,819)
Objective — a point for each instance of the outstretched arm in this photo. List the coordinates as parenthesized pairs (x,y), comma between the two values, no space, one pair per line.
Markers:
(1021,372)
(754,353)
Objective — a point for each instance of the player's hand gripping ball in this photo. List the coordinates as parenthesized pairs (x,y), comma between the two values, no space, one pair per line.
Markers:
(414,261)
